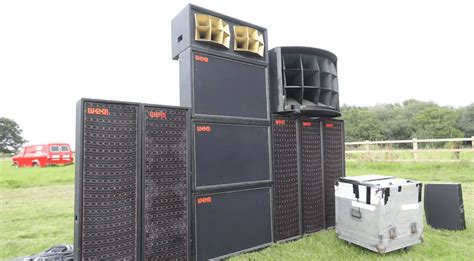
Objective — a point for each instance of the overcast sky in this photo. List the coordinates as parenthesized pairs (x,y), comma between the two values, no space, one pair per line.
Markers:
(52,53)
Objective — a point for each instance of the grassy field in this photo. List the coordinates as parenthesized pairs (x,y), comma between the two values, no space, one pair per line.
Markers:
(395,155)
(438,244)
(36,208)
(36,211)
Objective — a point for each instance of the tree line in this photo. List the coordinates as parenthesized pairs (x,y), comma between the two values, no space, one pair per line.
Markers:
(407,120)
(400,121)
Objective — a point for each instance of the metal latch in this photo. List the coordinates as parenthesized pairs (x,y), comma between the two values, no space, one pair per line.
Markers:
(392,232)
(413,228)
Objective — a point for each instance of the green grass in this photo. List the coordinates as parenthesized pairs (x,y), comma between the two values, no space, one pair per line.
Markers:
(438,244)
(33,219)
(11,177)
(36,211)
(406,155)
(36,208)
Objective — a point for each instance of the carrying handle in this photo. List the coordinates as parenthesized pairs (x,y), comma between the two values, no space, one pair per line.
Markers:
(355,213)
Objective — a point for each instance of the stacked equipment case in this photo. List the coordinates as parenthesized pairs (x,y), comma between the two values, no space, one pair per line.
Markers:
(223,64)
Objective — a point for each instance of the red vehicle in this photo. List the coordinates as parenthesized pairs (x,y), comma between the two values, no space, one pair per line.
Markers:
(43,155)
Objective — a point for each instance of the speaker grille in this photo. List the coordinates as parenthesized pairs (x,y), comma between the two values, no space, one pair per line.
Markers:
(333,150)
(311,176)
(286,194)
(109,181)
(165,184)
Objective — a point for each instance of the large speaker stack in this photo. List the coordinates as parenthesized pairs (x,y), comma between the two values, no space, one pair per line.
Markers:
(250,159)
(308,143)
(224,80)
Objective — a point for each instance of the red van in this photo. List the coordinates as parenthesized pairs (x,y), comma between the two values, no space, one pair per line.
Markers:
(43,155)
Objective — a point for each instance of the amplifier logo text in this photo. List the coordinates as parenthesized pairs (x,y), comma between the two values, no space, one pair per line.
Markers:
(98,111)
(306,124)
(280,122)
(201,58)
(157,114)
(203,128)
(204,200)
(329,125)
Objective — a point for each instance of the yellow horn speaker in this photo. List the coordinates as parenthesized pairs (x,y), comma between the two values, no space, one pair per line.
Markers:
(211,29)
(248,39)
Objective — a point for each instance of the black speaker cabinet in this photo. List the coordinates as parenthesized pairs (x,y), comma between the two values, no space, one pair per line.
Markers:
(231,222)
(107,181)
(166,186)
(214,86)
(132,185)
(444,208)
(304,80)
(333,164)
(312,190)
(287,216)
(203,29)
(230,154)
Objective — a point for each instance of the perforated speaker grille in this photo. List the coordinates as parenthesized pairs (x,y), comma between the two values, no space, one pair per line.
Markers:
(109,181)
(311,176)
(165,186)
(285,168)
(333,140)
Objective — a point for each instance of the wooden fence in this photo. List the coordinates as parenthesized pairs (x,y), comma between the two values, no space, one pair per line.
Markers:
(367,148)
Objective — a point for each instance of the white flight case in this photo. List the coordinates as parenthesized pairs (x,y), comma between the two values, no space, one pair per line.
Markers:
(379,213)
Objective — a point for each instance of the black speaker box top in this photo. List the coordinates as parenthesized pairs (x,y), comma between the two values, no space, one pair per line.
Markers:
(203,29)
(304,80)
(215,87)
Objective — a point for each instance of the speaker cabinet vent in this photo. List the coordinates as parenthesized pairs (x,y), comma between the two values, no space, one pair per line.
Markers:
(312,199)
(107,171)
(333,154)
(165,183)
(211,29)
(285,176)
(248,39)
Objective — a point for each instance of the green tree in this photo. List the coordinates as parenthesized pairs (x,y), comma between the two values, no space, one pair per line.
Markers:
(395,121)
(361,124)
(437,122)
(10,136)
(466,120)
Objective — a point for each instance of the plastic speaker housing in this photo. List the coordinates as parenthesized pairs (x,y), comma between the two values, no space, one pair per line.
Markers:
(304,80)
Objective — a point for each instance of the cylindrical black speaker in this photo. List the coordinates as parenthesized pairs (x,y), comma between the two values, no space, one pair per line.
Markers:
(304,80)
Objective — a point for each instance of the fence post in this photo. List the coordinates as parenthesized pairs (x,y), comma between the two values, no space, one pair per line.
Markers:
(367,145)
(472,142)
(415,149)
